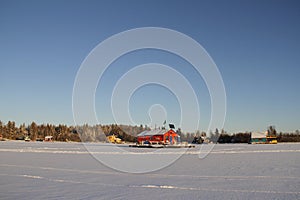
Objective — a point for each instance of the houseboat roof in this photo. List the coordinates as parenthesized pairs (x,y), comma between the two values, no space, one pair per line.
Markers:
(153,132)
(258,135)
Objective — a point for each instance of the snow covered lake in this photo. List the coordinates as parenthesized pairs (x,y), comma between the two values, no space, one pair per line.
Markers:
(37,170)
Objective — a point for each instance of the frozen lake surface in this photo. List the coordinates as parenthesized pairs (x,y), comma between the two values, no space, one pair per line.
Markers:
(37,170)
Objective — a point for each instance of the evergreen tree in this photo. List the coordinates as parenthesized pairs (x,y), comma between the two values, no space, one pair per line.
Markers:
(33,131)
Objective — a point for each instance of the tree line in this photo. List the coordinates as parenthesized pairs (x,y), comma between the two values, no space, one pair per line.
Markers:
(61,132)
(241,137)
(128,133)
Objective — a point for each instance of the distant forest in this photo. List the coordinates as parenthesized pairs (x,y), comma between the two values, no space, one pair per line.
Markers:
(84,133)
(128,133)
(224,137)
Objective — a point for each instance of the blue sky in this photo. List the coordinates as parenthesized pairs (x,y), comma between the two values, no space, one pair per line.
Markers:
(255,44)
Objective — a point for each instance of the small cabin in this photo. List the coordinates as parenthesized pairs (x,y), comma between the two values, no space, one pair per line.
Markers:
(263,138)
(258,138)
(158,136)
(48,138)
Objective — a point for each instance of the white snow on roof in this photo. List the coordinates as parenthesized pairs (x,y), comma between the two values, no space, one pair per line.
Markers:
(152,132)
(258,135)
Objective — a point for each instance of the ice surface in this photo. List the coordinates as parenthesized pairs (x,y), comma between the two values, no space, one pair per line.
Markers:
(68,171)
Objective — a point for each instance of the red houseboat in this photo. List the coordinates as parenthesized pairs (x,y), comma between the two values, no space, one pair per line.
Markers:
(158,136)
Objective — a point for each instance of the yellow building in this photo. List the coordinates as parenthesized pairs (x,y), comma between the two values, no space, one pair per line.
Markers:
(113,139)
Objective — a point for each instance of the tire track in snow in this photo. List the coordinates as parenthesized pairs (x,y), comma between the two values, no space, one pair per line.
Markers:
(152,174)
(213,190)
(167,152)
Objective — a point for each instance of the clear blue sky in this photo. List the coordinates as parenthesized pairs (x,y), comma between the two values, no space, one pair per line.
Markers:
(255,44)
